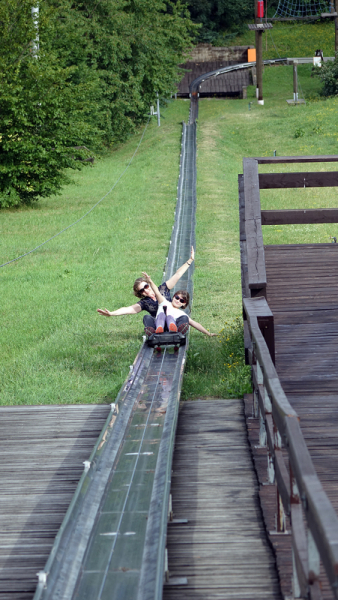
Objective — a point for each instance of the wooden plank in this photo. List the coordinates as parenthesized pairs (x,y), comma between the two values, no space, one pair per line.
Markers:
(282,479)
(223,550)
(321,517)
(298,180)
(299,216)
(253,227)
(243,245)
(299,545)
(270,160)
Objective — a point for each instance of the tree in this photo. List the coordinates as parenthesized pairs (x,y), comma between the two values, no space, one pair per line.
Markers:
(98,69)
(44,112)
(217,15)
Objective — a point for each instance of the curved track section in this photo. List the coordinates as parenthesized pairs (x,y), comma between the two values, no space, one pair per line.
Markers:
(194,86)
(112,541)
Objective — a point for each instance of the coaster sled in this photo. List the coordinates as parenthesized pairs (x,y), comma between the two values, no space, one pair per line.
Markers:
(166,339)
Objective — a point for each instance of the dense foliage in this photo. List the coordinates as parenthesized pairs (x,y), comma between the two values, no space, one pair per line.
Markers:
(328,73)
(217,15)
(97,70)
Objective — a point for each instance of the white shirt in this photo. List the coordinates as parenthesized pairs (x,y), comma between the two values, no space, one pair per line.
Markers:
(174,312)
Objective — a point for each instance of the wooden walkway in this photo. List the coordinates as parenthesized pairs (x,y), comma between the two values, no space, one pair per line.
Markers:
(223,549)
(302,292)
(42,451)
(302,287)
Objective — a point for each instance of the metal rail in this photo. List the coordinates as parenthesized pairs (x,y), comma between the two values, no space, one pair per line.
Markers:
(87,559)
(97,544)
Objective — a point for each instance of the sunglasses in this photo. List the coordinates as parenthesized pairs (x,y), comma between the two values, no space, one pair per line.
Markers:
(145,287)
(182,300)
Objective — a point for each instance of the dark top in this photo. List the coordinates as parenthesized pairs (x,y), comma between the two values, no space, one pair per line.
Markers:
(150,305)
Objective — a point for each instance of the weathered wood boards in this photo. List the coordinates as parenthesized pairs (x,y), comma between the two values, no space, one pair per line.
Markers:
(223,549)
(299,216)
(304,304)
(253,227)
(302,293)
(270,160)
(298,180)
(42,454)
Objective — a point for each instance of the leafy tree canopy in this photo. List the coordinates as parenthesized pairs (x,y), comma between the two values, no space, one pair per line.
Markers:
(217,15)
(98,68)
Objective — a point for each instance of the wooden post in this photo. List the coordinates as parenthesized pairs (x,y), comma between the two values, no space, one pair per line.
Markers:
(295,81)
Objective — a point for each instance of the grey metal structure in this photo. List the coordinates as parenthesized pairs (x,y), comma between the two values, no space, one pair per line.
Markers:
(112,541)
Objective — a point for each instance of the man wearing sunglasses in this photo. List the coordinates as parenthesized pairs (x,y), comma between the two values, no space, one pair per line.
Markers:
(143,290)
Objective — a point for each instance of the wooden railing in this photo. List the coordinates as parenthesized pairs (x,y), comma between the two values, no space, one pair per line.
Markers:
(300,495)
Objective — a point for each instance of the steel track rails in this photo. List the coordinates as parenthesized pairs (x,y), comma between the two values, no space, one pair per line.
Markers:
(112,541)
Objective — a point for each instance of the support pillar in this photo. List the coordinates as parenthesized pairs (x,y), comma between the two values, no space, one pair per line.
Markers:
(295,81)
(259,66)
(336,27)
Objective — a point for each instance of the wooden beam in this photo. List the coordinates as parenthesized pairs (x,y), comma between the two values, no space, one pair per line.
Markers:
(309,18)
(298,180)
(242,238)
(299,544)
(299,217)
(253,226)
(269,160)
(320,514)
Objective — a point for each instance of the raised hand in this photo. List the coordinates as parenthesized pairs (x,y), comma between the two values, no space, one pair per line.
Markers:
(104,311)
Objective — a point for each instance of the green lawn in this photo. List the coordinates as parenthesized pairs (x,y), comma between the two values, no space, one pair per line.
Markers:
(227,132)
(55,348)
(292,39)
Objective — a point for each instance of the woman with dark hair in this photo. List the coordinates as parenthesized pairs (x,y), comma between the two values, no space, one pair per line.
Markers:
(170,315)
(148,300)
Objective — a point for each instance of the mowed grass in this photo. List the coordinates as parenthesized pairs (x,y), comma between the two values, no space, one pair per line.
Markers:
(292,39)
(227,132)
(55,348)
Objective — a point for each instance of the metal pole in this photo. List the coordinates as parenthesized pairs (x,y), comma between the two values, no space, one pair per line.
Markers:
(259,67)
(336,27)
(158,112)
(35,44)
(295,81)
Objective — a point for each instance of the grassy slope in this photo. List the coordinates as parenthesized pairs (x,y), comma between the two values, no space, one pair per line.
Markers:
(227,131)
(292,39)
(54,346)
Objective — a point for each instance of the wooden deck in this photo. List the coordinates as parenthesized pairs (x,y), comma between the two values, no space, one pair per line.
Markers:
(42,450)
(223,549)
(302,292)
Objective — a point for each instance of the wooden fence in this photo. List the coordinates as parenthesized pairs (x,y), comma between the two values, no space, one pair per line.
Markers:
(300,493)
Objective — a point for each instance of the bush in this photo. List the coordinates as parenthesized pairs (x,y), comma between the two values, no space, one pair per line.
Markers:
(328,74)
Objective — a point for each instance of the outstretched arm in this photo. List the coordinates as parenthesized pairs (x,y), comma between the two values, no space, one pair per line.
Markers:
(125,310)
(200,328)
(174,279)
(154,287)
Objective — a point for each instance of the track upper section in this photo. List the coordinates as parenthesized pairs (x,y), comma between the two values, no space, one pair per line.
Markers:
(112,542)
